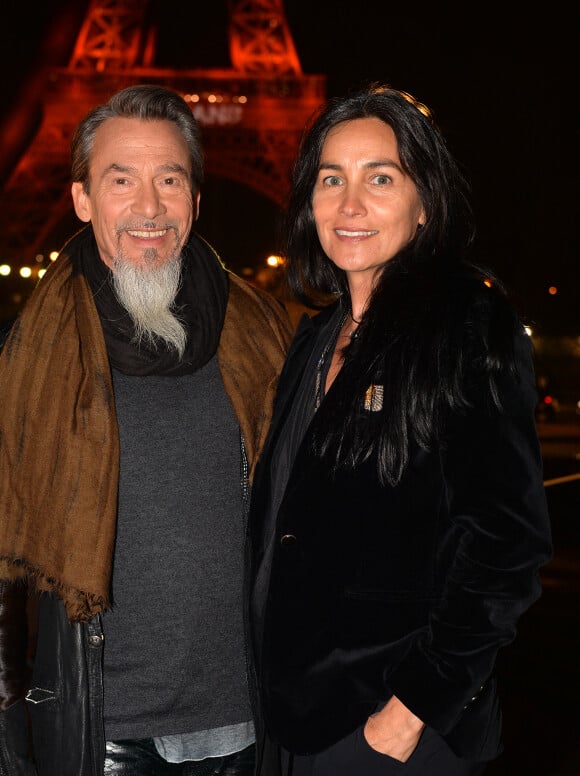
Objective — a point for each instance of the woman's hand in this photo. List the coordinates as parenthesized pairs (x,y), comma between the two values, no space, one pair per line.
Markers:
(394,730)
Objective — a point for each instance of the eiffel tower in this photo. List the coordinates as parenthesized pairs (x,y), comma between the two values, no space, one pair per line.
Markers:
(252,114)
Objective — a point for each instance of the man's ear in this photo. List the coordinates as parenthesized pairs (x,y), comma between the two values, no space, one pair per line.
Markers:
(81,202)
(196,200)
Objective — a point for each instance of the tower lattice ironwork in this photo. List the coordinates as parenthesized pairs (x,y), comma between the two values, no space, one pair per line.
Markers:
(252,114)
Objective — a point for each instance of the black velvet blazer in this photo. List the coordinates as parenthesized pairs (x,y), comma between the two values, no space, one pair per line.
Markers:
(409,590)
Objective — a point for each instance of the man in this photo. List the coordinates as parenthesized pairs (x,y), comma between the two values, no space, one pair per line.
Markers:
(137,386)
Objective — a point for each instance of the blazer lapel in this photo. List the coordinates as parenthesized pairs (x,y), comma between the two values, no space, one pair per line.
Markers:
(298,354)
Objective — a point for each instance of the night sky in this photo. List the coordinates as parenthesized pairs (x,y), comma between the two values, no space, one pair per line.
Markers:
(497,76)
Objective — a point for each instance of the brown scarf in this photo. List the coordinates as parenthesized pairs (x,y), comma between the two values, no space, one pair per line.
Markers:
(59,445)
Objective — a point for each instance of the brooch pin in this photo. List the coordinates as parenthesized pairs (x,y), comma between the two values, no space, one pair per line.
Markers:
(374,398)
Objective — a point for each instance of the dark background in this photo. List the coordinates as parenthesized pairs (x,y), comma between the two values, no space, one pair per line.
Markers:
(499,78)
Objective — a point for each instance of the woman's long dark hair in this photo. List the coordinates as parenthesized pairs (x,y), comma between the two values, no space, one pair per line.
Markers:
(431,315)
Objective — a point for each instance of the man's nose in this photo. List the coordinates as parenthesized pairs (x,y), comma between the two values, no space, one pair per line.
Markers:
(148,201)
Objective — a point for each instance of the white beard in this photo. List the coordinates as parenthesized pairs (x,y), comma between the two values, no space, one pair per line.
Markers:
(148,294)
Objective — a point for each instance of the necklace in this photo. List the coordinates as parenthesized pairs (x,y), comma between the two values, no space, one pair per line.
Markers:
(353,334)
(320,374)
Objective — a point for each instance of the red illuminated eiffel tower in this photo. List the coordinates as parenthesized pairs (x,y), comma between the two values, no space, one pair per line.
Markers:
(252,114)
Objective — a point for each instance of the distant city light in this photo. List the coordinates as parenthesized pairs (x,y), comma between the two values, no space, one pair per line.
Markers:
(5,270)
(274,261)
(25,272)
(53,255)
(528,330)
(41,273)
(552,290)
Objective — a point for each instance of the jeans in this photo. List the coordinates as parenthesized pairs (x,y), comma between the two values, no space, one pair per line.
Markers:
(139,757)
(352,756)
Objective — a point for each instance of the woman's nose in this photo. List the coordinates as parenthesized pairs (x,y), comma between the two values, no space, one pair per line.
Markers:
(352,202)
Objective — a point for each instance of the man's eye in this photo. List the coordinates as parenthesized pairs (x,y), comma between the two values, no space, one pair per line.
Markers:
(120,181)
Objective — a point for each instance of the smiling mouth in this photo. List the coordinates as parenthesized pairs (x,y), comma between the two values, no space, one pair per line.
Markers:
(356,233)
(148,234)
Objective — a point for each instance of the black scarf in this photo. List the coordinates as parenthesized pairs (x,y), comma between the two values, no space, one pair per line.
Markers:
(200,302)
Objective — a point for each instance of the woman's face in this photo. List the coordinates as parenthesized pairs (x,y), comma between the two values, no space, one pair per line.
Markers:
(366,208)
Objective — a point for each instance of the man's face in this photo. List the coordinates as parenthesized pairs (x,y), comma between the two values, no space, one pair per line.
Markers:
(139,200)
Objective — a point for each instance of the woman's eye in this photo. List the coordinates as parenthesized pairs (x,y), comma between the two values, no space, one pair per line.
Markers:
(381,179)
(332,180)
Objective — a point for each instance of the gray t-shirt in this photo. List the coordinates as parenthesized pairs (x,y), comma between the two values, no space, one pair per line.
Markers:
(174,643)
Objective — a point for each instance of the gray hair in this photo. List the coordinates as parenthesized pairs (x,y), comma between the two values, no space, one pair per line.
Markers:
(148,102)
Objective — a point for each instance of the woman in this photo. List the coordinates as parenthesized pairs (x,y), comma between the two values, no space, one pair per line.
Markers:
(399,517)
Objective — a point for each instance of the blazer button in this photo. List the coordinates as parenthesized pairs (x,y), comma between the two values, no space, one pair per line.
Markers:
(288,540)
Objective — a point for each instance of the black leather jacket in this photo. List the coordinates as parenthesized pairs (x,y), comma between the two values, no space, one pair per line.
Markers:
(67,674)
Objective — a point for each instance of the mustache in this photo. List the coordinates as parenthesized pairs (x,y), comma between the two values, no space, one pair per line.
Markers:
(136,225)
